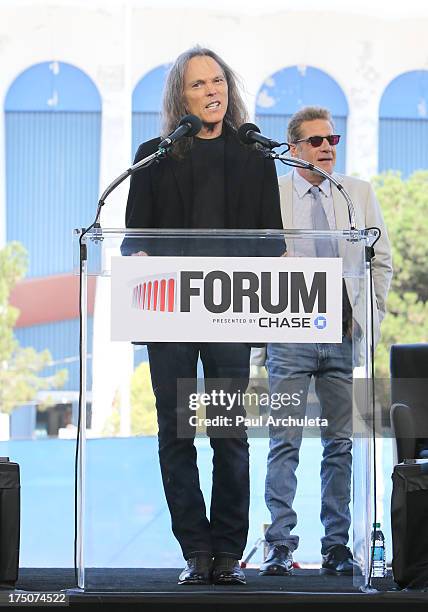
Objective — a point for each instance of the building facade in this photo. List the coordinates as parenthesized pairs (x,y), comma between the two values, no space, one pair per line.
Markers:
(81,86)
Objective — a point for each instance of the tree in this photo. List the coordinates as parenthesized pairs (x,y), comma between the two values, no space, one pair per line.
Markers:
(19,367)
(405,207)
(143,410)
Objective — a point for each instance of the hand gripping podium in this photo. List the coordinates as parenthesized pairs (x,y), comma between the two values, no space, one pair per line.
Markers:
(210,286)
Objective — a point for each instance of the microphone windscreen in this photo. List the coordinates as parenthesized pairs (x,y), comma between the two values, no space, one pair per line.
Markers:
(243,131)
(194,122)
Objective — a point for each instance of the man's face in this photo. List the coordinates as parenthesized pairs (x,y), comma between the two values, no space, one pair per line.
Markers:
(323,156)
(205,92)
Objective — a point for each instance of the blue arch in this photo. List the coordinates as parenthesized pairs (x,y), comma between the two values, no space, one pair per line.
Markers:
(289,89)
(53,86)
(406,97)
(286,91)
(53,126)
(53,132)
(146,105)
(403,123)
(147,94)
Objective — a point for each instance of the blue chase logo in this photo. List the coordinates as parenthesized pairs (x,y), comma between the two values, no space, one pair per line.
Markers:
(320,322)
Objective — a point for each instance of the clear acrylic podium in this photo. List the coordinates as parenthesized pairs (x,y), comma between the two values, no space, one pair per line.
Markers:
(106,246)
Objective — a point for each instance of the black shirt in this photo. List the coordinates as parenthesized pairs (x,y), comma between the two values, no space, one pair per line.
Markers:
(208,205)
(162,196)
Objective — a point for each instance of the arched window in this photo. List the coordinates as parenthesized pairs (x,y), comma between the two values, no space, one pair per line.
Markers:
(403,123)
(53,130)
(146,106)
(286,91)
(53,123)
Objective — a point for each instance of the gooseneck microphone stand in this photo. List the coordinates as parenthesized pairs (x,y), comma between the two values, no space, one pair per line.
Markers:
(296,162)
(80,456)
(147,161)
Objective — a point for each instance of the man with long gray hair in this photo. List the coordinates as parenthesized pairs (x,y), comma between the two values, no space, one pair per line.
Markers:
(209,181)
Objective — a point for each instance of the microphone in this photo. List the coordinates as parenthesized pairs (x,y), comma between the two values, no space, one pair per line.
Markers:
(249,133)
(189,125)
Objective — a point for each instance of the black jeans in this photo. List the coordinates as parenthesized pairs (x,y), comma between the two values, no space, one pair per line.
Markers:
(226,530)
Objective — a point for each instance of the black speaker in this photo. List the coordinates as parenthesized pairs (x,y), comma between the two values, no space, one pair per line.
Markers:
(409,523)
(9,522)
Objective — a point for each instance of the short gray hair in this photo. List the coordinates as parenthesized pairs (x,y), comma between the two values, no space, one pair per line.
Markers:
(308,113)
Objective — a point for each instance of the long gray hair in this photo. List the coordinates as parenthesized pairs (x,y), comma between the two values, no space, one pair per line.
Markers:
(173,108)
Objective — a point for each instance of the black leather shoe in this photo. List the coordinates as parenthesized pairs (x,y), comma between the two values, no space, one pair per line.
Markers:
(279,562)
(338,561)
(227,571)
(197,571)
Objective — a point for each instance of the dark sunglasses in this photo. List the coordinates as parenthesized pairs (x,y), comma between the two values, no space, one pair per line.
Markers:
(316,141)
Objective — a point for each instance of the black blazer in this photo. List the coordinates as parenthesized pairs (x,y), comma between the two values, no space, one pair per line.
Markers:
(161,195)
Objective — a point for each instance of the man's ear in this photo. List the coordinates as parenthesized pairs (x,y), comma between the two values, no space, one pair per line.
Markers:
(293,150)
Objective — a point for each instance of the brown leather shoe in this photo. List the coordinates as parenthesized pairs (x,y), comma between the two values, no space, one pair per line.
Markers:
(227,571)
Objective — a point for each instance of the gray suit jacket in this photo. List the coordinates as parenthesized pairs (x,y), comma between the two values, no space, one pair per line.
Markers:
(368,214)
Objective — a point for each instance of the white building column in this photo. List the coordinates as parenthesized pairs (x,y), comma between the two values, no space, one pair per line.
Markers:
(363,124)
(362,140)
(113,361)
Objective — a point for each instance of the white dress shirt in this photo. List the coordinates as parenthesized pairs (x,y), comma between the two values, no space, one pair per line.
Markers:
(302,216)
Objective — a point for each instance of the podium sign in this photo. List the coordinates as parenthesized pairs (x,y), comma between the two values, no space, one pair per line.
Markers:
(211,299)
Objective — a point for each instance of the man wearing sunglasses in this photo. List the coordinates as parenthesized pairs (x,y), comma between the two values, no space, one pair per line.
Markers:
(308,201)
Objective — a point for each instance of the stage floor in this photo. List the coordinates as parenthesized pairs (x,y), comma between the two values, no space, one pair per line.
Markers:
(158,588)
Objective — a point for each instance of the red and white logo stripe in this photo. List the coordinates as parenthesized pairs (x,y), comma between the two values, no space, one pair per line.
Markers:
(156,293)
